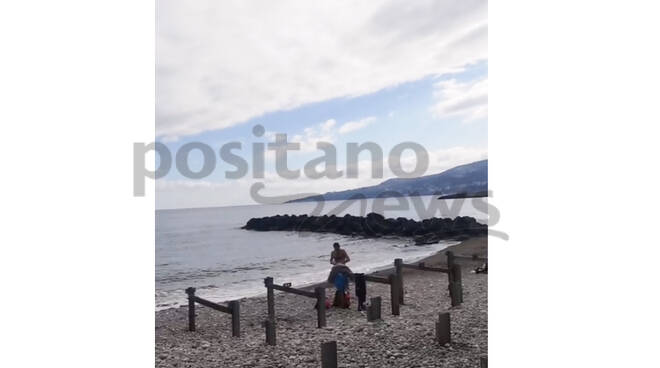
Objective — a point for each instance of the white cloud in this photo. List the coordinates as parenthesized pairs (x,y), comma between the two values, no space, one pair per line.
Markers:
(219,63)
(352,126)
(468,100)
(323,132)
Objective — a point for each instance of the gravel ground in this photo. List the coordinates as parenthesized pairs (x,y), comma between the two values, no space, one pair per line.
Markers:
(396,341)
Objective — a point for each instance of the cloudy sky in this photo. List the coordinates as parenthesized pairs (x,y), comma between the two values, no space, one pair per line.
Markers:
(337,72)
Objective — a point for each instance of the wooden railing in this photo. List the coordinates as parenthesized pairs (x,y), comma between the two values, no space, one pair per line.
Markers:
(395,289)
(453,272)
(451,257)
(233,308)
(318,294)
(395,281)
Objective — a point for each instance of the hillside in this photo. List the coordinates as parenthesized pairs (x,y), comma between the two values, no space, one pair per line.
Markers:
(461,181)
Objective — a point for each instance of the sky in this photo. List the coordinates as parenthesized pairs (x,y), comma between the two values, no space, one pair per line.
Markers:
(338,72)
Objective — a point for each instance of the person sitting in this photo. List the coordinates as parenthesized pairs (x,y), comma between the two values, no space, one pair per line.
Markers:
(342,295)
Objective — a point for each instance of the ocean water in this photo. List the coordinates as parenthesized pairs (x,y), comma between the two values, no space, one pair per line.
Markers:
(206,248)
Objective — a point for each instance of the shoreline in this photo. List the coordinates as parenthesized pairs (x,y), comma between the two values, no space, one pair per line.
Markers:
(433,259)
(473,245)
(406,340)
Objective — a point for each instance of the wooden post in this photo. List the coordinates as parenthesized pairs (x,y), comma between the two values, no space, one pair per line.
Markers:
(268,281)
(235,307)
(450,259)
(373,312)
(458,276)
(320,310)
(484,362)
(191,308)
(398,268)
(270,332)
(450,286)
(394,294)
(360,290)
(443,329)
(329,354)
(458,279)
(455,285)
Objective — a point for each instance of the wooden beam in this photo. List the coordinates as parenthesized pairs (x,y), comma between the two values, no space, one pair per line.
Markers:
(308,294)
(380,280)
(423,267)
(473,257)
(212,305)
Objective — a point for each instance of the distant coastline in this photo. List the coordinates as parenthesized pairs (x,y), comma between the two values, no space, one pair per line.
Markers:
(465,195)
(464,181)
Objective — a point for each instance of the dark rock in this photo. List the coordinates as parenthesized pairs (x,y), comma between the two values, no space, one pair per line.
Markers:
(374,225)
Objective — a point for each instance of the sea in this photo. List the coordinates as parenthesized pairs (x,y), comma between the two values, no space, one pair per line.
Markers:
(206,248)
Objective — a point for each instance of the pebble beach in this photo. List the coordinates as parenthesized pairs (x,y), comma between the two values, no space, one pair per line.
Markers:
(407,340)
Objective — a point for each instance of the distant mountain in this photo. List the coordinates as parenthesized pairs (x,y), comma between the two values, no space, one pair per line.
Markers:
(468,180)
